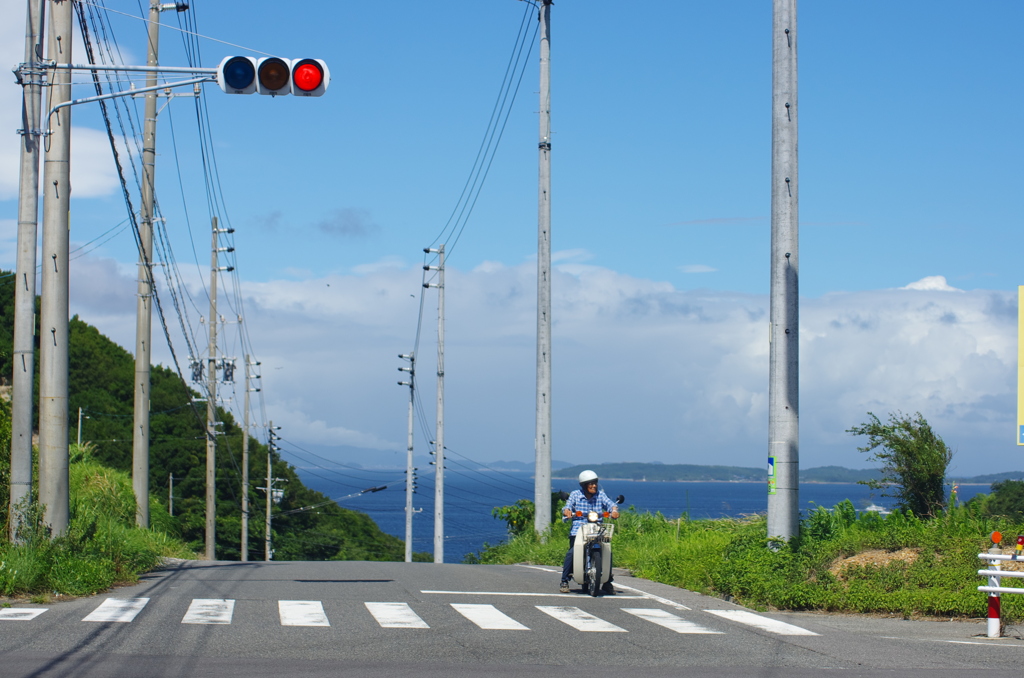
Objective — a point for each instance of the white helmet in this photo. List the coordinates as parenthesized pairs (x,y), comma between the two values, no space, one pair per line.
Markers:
(587,476)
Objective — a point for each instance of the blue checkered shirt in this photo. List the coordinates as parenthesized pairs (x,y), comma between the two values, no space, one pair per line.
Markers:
(579,502)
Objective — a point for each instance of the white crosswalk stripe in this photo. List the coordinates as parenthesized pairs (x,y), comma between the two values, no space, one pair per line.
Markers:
(209,611)
(121,610)
(667,620)
(21,613)
(396,616)
(302,613)
(763,623)
(488,617)
(578,619)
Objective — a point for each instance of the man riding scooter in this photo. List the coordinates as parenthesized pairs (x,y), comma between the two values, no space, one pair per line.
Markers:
(581,502)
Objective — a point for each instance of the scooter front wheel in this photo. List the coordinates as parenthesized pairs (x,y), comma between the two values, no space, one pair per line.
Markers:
(594,571)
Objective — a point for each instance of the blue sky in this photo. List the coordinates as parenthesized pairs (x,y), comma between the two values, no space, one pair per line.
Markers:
(909,149)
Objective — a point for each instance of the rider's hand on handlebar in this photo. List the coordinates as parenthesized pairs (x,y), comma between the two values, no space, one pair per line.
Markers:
(615,513)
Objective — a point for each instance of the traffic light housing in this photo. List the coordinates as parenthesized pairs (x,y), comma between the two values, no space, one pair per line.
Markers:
(273,75)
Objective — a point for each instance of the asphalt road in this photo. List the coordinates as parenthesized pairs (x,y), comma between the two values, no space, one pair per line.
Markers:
(358,619)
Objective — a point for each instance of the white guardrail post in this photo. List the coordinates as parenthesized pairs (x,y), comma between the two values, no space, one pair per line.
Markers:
(995,575)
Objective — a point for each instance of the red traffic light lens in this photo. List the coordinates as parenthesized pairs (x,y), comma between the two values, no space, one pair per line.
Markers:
(307,75)
(274,74)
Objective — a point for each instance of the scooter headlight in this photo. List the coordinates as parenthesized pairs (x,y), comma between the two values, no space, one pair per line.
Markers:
(592,517)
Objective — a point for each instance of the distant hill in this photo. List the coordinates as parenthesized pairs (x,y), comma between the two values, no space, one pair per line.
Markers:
(694,473)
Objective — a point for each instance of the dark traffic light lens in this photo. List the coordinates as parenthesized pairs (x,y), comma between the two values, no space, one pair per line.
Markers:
(307,75)
(239,73)
(274,74)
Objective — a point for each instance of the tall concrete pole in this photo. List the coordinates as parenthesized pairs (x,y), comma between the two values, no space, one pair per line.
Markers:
(783,378)
(53,320)
(211,408)
(268,552)
(25,270)
(144,301)
(409,470)
(244,548)
(542,441)
(439,441)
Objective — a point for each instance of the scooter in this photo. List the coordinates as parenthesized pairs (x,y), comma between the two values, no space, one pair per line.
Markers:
(592,551)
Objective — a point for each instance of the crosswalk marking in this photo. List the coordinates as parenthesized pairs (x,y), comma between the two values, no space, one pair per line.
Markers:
(488,617)
(209,611)
(667,619)
(302,613)
(21,613)
(578,619)
(117,610)
(396,616)
(763,623)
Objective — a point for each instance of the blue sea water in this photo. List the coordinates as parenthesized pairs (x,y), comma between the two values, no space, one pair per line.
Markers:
(470,496)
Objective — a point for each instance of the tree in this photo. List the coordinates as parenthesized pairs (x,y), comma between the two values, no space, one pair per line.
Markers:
(1007,499)
(914,461)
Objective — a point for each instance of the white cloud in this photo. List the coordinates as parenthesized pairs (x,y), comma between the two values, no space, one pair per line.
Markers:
(697,268)
(641,369)
(932,283)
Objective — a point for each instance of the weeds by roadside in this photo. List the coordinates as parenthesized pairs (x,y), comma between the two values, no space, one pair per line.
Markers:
(934,575)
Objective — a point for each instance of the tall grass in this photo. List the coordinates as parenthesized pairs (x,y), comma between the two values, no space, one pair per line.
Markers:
(814,571)
(101,547)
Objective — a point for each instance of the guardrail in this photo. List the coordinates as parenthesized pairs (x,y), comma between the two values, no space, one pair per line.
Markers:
(994,590)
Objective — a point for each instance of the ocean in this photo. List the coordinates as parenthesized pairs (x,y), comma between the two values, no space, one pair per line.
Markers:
(470,495)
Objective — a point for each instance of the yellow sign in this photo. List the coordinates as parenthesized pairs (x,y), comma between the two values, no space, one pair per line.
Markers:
(1020,365)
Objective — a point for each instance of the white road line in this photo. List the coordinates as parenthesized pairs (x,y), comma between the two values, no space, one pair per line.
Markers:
(668,620)
(488,617)
(579,620)
(763,623)
(117,610)
(209,611)
(21,613)
(651,596)
(528,594)
(396,616)
(302,613)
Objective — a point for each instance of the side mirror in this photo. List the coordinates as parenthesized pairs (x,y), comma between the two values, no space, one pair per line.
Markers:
(563,495)
(619,499)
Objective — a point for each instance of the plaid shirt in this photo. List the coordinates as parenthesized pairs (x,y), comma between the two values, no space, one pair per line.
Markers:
(579,502)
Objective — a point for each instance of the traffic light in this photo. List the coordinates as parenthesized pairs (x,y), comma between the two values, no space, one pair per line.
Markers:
(274,76)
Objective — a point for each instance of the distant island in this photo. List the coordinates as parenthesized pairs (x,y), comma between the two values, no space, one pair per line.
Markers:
(695,473)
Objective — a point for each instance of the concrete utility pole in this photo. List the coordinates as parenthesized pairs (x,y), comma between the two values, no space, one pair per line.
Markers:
(783,379)
(211,408)
(170,494)
(245,464)
(25,270)
(144,307)
(268,552)
(53,321)
(409,470)
(439,436)
(542,442)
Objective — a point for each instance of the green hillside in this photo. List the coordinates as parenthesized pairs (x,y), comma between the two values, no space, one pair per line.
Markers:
(101,383)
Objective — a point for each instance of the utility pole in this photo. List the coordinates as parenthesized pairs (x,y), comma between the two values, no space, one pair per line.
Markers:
(542,441)
(783,378)
(245,464)
(80,417)
(31,77)
(170,494)
(144,308)
(268,552)
(53,322)
(439,436)
(410,477)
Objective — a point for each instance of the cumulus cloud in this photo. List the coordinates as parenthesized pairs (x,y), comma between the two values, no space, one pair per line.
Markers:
(697,268)
(641,369)
(932,283)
